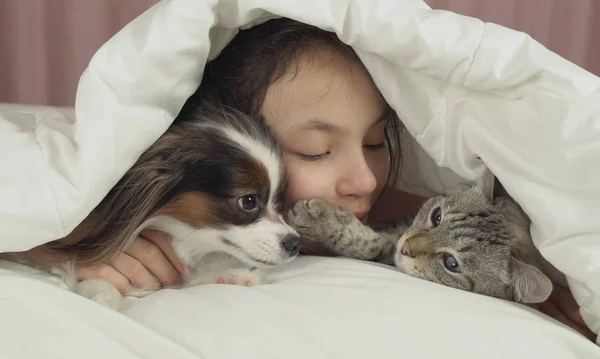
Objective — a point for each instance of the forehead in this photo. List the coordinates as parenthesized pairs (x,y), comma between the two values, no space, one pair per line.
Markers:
(230,164)
(479,238)
(324,87)
(260,163)
(458,200)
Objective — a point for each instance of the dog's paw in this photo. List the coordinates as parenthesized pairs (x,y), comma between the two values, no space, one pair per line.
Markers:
(315,219)
(243,277)
(101,292)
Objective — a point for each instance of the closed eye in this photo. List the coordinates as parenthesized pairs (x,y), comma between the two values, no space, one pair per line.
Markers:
(376,146)
(316,157)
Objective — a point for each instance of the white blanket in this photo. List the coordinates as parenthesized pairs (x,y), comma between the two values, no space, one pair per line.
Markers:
(465,90)
(320,308)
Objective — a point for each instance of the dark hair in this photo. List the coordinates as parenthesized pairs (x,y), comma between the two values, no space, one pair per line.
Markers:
(261,55)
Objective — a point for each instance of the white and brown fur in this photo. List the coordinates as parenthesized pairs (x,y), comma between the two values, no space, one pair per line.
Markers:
(197,182)
(474,238)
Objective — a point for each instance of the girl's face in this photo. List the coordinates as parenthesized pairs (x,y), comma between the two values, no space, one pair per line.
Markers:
(328,116)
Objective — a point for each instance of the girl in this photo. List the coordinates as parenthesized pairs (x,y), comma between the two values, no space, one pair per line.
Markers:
(340,140)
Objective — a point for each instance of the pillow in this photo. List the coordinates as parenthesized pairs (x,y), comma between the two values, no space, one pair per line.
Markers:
(318,308)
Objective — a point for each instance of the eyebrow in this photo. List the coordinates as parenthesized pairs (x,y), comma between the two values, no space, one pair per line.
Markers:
(315,124)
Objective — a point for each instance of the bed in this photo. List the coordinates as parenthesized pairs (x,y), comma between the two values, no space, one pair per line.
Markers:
(470,93)
(318,308)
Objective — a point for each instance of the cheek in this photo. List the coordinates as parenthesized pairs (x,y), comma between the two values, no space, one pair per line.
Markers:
(306,181)
(311,180)
(380,166)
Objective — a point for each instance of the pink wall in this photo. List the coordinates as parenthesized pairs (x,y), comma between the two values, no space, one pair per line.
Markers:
(566,27)
(46,44)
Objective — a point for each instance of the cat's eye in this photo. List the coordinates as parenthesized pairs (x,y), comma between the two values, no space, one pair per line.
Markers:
(436,217)
(451,263)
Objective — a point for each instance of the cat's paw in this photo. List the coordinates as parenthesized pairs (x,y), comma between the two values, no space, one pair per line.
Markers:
(317,219)
(311,211)
(101,292)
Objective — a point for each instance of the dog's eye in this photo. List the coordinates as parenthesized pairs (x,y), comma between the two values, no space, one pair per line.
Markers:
(436,217)
(248,202)
(451,264)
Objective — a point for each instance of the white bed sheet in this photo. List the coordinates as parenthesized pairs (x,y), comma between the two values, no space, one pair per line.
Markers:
(317,308)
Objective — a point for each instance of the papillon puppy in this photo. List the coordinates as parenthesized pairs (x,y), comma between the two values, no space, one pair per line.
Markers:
(215,182)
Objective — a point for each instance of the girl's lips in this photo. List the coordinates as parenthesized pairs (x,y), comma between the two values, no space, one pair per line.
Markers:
(362,216)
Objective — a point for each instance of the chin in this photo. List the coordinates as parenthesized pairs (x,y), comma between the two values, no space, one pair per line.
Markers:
(400,263)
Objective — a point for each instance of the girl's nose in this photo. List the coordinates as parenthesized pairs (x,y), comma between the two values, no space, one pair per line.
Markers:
(357,179)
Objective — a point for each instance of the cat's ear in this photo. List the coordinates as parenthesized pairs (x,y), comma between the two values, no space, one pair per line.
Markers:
(529,284)
(485,184)
(498,189)
(490,186)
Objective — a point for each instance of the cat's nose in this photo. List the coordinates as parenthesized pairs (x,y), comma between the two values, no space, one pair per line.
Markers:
(405,249)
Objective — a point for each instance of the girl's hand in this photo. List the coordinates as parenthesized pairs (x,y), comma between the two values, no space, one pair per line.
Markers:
(149,263)
(562,306)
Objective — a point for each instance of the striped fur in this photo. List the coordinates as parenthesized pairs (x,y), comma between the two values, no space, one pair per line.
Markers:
(473,238)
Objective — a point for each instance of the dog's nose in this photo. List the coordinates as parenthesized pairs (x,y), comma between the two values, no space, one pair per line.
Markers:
(291,243)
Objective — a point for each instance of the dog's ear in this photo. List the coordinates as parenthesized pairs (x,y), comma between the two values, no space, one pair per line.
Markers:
(117,219)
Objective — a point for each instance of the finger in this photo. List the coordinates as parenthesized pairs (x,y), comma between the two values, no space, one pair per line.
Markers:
(151,257)
(106,273)
(163,241)
(552,310)
(135,271)
(564,298)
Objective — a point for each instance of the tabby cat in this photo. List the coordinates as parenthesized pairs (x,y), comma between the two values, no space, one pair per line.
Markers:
(472,237)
